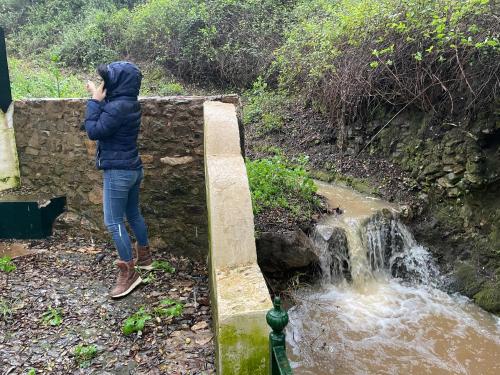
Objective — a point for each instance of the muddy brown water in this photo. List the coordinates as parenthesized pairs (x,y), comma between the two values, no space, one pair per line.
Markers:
(383,325)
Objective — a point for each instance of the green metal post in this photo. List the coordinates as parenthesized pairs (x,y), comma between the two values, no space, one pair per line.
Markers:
(277,319)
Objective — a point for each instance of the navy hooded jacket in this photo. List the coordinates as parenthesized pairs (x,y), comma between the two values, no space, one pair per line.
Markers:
(115,122)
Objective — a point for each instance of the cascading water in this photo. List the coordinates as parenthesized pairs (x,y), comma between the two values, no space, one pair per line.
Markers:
(378,309)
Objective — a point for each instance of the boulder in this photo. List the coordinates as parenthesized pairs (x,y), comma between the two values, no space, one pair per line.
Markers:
(281,253)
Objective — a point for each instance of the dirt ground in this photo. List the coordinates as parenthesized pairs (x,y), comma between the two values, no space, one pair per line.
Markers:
(74,275)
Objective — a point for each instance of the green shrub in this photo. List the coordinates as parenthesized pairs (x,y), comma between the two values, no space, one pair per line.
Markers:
(46,21)
(97,39)
(276,182)
(265,108)
(350,55)
(215,41)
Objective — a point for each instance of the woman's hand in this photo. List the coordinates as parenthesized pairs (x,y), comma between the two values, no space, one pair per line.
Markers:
(98,93)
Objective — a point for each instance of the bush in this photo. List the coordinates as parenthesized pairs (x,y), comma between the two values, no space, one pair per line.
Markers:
(45,22)
(98,39)
(265,108)
(217,41)
(277,182)
(225,42)
(350,55)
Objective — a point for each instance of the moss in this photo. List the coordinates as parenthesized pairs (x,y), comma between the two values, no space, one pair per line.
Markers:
(467,280)
(489,297)
(323,176)
(358,184)
(243,351)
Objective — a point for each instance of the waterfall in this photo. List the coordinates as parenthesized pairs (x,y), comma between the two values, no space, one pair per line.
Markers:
(359,250)
(380,309)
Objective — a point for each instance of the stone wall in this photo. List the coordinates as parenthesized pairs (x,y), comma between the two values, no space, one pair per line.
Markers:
(56,157)
(453,157)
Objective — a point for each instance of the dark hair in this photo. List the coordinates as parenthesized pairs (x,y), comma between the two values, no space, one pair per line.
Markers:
(102,70)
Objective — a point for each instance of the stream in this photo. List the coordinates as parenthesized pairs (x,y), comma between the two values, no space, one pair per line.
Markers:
(379,308)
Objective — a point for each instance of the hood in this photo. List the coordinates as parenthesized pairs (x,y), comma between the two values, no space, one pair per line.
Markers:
(124,79)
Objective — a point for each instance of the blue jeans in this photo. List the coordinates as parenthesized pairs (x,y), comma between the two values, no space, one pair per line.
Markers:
(120,199)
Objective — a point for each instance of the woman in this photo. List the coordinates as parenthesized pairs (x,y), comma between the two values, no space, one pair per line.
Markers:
(113,119)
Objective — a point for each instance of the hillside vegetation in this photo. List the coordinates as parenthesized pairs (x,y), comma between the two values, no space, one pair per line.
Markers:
(344,55)
(321,77)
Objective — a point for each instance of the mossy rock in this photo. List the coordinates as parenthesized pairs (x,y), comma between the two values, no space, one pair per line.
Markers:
(467,281)
(489,297)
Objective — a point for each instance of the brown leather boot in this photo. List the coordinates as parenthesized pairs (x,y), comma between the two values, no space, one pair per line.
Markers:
(128,279)
(144,258)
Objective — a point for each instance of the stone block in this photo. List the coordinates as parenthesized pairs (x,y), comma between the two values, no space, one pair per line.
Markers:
(177,160)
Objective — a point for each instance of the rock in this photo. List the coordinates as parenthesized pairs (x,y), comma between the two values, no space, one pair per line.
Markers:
(199,326)
(444,183)
(467,280)
(489,297)
(280,253)
(95,195)
(454,192)
(407,212)
(68,219)
(452,177)
(147,159)
(180,160)
(432,169)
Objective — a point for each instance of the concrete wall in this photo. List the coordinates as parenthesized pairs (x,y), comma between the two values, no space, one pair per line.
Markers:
(56,157)
(240,299)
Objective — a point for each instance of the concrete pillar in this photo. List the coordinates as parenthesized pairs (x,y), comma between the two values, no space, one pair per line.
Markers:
(240,299)
(9,165)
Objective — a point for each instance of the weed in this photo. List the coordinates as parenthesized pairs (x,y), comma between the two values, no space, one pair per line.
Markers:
(136,322)
(163,265)
(278,182)
(148,277)
(31,371)
(5,309)
(84,354)
(270,122)
(170,308)
(53,317)
(6,265)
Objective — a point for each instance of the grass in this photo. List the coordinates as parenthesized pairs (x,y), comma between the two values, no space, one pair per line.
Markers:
(44,80)
(50,79)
